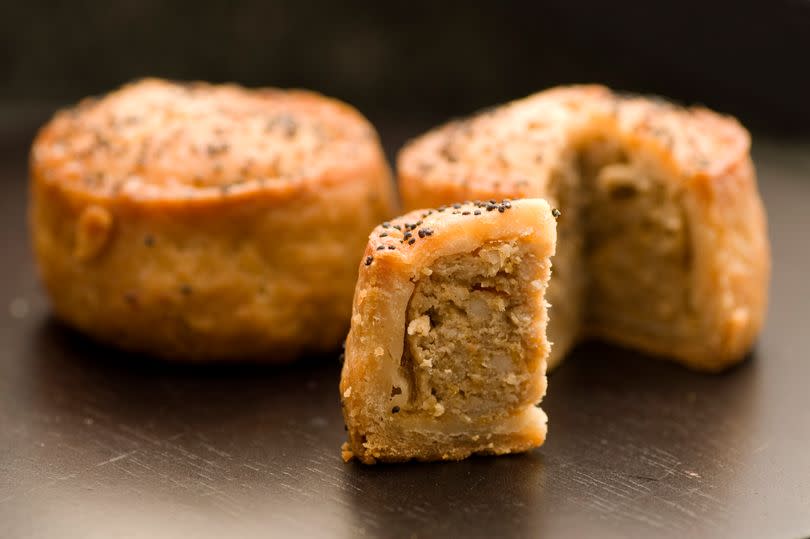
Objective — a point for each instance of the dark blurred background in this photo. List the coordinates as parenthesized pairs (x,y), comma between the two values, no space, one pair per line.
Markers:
(410,64)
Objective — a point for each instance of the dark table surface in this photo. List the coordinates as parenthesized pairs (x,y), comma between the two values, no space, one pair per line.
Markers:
(94,443)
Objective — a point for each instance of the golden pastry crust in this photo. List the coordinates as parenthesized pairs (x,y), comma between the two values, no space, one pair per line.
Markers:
(396,409)
(198,221)
(700,163)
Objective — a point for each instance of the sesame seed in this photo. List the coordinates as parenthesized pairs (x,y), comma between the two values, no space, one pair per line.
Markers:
(395,410)
(391,247)
(465,213)
(384,234)
(369,260)
(386,224)
(380,247)
(555,212)
(501,209)
(421,233)
(456,206)
(477,212)
(411,241)
(214,149)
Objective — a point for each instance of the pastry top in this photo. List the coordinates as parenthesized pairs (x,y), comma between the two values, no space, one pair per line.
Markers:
(400,243)
(161,142)
(510,148)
